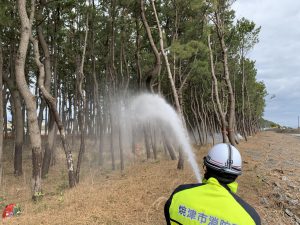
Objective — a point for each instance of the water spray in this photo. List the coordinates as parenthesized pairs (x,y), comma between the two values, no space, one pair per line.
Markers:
(152,107)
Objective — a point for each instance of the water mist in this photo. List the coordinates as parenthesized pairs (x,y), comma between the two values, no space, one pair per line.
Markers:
(153,108)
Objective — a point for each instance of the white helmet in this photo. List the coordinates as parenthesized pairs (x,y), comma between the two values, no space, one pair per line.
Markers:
(224,158)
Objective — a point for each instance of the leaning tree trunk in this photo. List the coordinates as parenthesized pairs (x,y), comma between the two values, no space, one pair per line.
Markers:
(216,97)
(35,136)
(52,106)
(172,82)
(168,146)
(47,83)
(220,31)
(157,66)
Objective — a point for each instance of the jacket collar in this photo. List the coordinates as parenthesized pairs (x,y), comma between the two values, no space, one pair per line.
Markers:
(232,186)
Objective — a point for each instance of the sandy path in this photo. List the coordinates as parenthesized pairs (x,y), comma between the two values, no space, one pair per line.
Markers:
(272,162)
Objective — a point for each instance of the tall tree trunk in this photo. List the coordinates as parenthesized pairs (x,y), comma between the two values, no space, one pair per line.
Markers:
(147,142)
(121,146)
(19,132)
(157,66)
(18,122)
(202,122)
(48,149)
(220,31)
(97,104)
(1,113)
(138,45)
(197,124)
(191,127)
(47,82)
(52,105)
(243,97)
(153,141)
(82,104)
(53,129)
(112,133)
(35,136)
(168,146)
(215,90)
(5,100)
(172,82)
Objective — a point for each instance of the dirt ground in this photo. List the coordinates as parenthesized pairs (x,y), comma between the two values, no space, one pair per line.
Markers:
(270,183)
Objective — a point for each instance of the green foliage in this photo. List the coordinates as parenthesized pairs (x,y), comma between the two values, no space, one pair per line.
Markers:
(6,9)
(2,202)
(246,34)
(268,124)
(197,5)
(187,50)
(17,210)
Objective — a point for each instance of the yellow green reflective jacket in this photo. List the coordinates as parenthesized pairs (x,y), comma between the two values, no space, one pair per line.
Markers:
(209,203)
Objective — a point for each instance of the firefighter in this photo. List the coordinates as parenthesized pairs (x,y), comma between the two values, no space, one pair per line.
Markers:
(214,201)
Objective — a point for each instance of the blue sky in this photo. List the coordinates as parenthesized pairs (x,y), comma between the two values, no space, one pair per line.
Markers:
(277,54)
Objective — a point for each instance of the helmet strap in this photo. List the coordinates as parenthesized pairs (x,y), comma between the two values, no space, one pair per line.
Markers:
(229,160)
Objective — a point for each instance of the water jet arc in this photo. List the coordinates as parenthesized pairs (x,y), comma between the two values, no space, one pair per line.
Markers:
(152,107)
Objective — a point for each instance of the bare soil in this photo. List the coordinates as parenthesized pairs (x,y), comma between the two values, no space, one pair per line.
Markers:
(270,183)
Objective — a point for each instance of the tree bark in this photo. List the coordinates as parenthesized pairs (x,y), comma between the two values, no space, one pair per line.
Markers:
(168,146)
(138,46)
(47,83)
(193,108)
(216,95)
(1,113)
(121,146)
(157,66)
(112,132)
(6,97)
(48,149)
(243,97)
(147,142)
(52,106)
(220,31)
(35,137)
(18,121)
(153,141)
(82,104)
(172,82)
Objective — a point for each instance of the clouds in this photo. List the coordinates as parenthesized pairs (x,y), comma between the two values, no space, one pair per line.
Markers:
(277,54)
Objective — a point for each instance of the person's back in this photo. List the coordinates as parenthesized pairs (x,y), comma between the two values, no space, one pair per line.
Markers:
(213,202)
(208,203)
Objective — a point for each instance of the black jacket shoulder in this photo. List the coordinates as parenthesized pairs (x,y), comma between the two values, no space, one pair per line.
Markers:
(185,187)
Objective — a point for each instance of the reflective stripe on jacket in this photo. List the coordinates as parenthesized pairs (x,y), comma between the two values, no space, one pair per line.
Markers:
(209,203)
